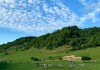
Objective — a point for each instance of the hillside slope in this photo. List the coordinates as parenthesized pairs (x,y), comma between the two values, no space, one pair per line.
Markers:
(73,36)
(20,60)
(43,54)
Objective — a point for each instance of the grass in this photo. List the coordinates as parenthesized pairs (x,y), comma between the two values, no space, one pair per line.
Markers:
(21,59)
(32,66)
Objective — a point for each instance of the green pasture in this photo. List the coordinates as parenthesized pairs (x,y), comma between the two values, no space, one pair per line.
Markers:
(20,60)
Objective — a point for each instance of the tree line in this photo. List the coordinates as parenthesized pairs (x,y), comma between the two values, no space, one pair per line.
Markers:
(73,36)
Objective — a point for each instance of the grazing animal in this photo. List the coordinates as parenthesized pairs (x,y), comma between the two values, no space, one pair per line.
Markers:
(81,64)
(42,65)
(72,65)
(49,65)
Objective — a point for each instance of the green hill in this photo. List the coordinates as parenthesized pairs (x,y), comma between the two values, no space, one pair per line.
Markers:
(73,36)
(49,49)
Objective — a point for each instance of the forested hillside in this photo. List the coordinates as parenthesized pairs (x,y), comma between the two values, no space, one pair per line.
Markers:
(72,36)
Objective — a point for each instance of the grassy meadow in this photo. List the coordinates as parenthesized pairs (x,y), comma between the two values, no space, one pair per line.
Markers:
(20,60)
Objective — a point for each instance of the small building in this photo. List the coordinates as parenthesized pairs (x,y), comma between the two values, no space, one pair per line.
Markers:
(71,58)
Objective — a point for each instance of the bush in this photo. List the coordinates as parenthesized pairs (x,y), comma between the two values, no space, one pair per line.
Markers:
(3,61)
(6,53)
(34,59)
(51,58)
(86,58)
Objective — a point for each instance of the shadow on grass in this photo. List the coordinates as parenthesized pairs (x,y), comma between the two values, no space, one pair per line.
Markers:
(4,66)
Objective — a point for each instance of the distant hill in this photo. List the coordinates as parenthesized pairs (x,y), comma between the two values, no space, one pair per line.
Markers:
(73,36)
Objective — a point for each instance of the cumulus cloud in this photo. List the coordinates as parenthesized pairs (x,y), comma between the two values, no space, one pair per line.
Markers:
(86,2)
(35,15)
(83,2)
(41,16)
(93,8)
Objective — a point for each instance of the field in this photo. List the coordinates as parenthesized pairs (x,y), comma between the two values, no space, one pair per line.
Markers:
(20,60)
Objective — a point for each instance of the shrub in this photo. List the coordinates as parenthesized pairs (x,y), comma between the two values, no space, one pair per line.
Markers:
(86,58)
(51,58)
(34,59)
(6,53)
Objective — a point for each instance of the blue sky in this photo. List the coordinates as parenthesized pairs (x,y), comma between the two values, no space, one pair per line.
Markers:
(20,18)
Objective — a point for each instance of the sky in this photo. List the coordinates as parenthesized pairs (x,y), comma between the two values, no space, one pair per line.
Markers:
(21,18)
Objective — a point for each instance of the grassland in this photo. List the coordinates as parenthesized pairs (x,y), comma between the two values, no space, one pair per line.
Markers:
(21,59)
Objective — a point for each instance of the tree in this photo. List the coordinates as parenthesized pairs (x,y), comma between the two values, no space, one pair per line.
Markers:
(73,36)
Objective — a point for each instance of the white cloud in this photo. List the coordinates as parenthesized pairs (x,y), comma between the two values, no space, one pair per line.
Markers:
(30,1)
(93,8)
(87,2)
(32,16)
(35,15)
(83,2)
(7,1)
